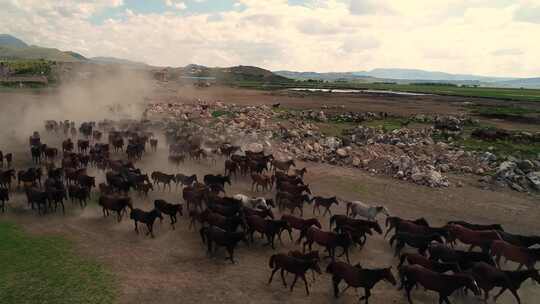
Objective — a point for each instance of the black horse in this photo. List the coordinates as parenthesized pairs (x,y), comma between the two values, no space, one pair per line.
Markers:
(148,218)
(221,238)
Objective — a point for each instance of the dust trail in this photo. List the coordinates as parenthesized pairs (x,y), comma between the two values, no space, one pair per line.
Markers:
(105,94)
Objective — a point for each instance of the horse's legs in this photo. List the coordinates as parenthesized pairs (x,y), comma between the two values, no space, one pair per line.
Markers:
(230,250)
(303,277)
(408,288)
(367,294)
(335,283)
(283,277)
(294,282)
(399,247)
(272,275)
(136,227)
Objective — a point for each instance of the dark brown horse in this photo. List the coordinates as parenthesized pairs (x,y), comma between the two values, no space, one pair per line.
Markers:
(418,241)
(116,204)
(517,278)
(329,240)
(4,197)
(341,220)
(443,284)
(358,277)
(169,209)
(312,255)
(392,222)
(147,218)
(294,265)
(522,255)
(269,228)
(477,227)
(162,178)
(326,202)
(418,259)
(301,224)
(489,277)
(465,259)
(221,238)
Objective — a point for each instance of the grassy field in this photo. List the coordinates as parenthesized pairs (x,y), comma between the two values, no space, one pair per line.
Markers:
(481,92)
(38,269)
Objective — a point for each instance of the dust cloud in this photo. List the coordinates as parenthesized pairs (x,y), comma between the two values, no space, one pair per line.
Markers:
(105,94)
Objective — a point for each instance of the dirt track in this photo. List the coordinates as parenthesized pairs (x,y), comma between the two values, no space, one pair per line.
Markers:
(173,268)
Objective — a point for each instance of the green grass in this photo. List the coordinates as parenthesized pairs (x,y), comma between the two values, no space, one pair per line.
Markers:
(502,111)
(334,128)
(386,124)
(219,113)
(501,148)
(44,269)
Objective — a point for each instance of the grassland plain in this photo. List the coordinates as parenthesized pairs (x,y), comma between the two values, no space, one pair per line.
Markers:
(45,269)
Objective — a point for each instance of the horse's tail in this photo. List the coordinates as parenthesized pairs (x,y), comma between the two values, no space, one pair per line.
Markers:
(330,268)
(272,261)
(348,208)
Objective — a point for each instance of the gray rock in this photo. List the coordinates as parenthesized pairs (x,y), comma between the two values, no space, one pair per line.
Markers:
(526,166)
(534,178)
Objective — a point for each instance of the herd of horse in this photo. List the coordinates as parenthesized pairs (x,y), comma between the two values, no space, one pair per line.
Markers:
(226,221)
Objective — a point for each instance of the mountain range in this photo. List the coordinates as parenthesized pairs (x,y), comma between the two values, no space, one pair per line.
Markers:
(14,48)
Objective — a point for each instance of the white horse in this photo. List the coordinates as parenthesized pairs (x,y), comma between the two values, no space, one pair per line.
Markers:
(358,208)
(257,202)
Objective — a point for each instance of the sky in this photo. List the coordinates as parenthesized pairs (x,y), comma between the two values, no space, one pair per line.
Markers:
(485,37)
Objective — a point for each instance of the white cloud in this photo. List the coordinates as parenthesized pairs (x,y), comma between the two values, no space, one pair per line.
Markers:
(461,36)
(179,5)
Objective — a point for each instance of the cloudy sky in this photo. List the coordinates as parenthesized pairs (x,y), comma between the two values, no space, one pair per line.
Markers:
(490,37)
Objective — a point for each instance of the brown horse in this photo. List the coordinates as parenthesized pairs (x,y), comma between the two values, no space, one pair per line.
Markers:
(465,259)
(474,238)
(269,228)
(117,204)
(327,239)
(326,202)
(358,277)
(162,178)
(443,284)
(521,255)
(301,224)
(264,181)
(489,277)
(297,266)
(283,165)
(312,255)
(295,202)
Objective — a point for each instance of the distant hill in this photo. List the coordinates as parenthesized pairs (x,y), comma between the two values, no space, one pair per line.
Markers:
(527,83)
(10,41)
(113,60)
(415,74)
(14,48)
(348,76)
(227,75)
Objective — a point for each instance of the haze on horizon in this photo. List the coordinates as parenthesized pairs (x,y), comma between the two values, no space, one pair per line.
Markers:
(483,37)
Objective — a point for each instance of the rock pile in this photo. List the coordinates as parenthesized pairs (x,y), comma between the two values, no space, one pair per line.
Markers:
(520,175)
